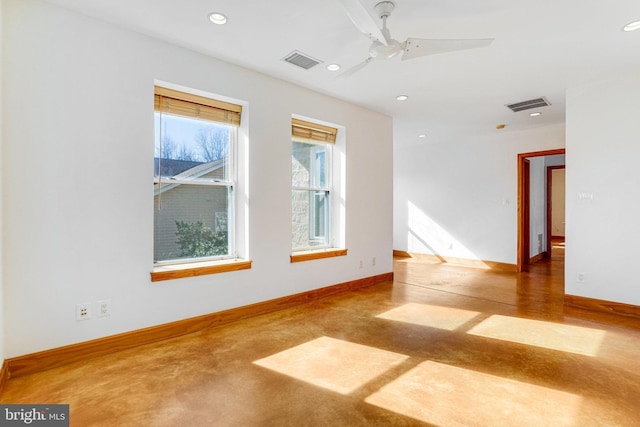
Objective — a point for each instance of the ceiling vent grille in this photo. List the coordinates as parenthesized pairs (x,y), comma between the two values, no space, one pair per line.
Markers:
(301,60)
(528,105)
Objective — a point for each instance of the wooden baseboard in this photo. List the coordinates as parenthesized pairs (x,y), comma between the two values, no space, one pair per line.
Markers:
(401,254)
(465,262)
(47,359)
(4,375)
(602,306)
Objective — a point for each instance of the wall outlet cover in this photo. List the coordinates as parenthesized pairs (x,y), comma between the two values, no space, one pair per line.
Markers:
(83,311)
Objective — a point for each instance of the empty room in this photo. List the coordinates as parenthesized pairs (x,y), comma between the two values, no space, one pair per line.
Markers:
(337,212)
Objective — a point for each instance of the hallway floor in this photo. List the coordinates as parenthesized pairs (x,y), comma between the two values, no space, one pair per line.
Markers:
(442,345)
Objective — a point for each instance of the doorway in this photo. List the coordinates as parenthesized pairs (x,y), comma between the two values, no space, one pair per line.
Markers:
(524,207)
(555,205)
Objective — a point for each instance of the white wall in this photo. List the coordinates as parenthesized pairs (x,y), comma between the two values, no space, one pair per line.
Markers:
(458,197)
(554,160)
(2,332)
(602,182)
(78,152)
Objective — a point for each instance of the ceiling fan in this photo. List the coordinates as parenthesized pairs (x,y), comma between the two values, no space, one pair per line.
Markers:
(383,46)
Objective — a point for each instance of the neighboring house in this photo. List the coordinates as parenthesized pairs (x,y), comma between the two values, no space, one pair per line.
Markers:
(172,202)
(300,165)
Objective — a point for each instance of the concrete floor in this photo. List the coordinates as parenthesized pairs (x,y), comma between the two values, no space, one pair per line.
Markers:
(441,345)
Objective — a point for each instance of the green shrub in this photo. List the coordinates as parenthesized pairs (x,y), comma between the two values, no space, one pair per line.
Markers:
(198,240)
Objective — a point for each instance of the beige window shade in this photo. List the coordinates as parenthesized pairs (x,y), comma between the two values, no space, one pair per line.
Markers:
(189,105)
(308,132)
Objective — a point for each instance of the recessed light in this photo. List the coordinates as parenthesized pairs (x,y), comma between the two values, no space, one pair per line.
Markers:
(333,67)
(536,114)
(422,135)
(402,97)
(218,18)
(632,26)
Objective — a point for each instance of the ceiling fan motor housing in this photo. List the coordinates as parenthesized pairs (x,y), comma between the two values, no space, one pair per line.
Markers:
(380,51)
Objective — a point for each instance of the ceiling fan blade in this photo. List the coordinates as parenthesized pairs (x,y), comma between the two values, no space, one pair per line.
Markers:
(355,68)
(362,20)
(414,48)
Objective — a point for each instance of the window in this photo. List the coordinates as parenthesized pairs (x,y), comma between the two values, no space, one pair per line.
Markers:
(194,177)
(311,181)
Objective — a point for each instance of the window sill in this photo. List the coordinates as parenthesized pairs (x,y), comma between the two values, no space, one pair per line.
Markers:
(317,254)
(180,271)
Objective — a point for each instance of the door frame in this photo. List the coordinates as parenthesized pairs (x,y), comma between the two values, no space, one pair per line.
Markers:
(526,211)
(522,197)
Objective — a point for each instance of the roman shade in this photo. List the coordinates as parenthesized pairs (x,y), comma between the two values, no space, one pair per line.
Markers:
(303,131)
(188,105)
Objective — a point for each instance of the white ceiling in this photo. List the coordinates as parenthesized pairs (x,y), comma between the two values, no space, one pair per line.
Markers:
(541,48)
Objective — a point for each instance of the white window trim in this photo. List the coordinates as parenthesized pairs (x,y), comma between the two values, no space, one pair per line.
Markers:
(237,219)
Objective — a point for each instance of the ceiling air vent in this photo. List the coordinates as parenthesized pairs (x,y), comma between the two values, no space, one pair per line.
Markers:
(301,60)
(527,105)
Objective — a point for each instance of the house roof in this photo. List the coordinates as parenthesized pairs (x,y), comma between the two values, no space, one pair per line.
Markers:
(172,167)
(185,170)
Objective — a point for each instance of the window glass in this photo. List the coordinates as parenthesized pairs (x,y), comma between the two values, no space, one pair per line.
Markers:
(310,200)
(181,143)
(186,222)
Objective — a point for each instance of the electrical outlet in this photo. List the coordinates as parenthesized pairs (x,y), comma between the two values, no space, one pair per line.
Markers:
(104,308)
(373,261)
(361,263)
(83,311)
(582,277)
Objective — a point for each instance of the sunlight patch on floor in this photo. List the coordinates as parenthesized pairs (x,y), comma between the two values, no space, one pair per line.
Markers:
(442,395)
(333,364)
(432,316)
(555,336)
